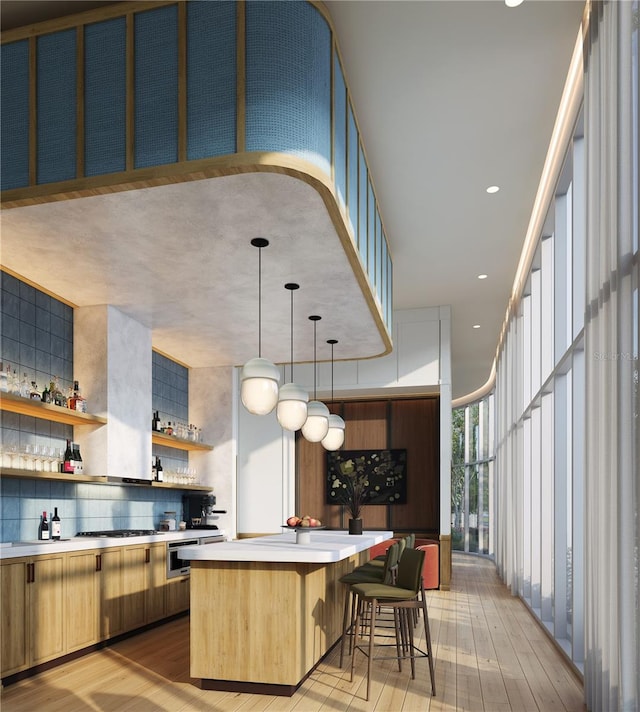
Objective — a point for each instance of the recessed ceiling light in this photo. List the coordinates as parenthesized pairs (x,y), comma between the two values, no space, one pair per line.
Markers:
(482,276)
(476,326)
(513,3)
(493,189)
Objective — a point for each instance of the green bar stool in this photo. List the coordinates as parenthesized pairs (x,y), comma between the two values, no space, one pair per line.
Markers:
(406,595)
(384,574)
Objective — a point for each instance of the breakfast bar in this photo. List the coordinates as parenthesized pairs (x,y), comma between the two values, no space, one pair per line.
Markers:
(264,611)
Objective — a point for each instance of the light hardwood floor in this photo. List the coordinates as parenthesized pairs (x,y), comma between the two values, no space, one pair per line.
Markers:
(490,656)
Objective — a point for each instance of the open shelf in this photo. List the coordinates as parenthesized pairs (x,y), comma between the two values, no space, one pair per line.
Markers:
(47,411)
(178,443)
(58,476)
(96,479)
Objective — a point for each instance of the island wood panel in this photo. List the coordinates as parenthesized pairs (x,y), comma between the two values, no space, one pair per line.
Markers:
(263,623)
(415,426)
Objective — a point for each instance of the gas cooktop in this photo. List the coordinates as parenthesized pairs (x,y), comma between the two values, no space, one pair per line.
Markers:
(120,533)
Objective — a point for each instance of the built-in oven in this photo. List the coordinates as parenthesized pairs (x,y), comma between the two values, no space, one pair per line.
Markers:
(175,565)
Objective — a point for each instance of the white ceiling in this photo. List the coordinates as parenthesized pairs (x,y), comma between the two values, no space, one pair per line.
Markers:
(451,97)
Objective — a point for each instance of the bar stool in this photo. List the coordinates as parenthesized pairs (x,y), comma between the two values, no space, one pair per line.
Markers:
(364,574)
(404,596)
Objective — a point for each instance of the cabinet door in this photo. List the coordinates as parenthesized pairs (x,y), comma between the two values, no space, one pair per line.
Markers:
(177,595)
(80,599)
(134,584)
(46,604)
(156,566)
(110,621)
(14,647)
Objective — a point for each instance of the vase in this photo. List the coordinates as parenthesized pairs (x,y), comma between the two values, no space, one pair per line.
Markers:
(355,526)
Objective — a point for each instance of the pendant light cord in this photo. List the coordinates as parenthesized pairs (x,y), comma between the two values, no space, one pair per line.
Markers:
(332,403)
(314,361)
(292,381)
(259,302)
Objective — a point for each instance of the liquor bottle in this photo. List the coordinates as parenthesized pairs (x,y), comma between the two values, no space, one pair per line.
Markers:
(34,393)
(14,383)
(77,401)
(56,527)
(78,465)
(67,463)
(154,468)
(46,395)
(44,527)
(159,471)
(169,429)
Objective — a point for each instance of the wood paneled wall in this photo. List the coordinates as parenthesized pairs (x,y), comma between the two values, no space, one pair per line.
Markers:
(411,423)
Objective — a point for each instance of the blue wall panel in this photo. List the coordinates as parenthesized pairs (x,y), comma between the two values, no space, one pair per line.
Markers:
(340,131)
(363,181)
(211,79)
(14,144)
(371,236)
(288,101)
(352,165)
(56,106)
(105,74)
(156,87)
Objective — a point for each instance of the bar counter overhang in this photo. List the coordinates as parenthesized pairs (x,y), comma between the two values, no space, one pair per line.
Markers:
(264,611)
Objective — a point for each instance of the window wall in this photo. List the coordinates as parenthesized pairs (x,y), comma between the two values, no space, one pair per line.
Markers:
(472,478)
(540,396)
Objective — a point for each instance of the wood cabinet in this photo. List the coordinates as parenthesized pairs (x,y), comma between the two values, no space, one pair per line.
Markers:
(33,611)
(156,570)
(59,603)
(81,619)
(109,593)
(143,582)
(14,630)
(177,595)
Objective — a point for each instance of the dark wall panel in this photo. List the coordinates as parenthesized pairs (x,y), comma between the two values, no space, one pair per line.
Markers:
(413,424)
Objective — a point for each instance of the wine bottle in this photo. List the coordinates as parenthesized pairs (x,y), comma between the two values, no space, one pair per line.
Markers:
(67,463)
(44,527)
(55,524)
(78,465)
(159,471)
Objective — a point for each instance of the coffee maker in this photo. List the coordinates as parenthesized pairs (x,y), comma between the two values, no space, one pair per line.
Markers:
(199,512)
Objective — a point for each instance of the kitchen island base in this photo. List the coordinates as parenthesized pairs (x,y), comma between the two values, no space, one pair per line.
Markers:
(263,626)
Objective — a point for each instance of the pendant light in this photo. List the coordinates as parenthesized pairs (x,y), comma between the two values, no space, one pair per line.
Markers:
(292,399)
(259,377)
(335,437)
(316,425)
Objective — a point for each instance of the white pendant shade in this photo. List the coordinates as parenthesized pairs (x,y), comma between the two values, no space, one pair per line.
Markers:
(316,426)
(292,406)
(259,381)
(335,437)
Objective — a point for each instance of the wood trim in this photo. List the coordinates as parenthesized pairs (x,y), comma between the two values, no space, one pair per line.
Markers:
(33,112)
(130,93)
(80,128)
(445,562)
(182,81)
(48,411)
(241,77)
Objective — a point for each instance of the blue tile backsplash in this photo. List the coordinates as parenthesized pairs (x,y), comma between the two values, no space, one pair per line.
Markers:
(81,507)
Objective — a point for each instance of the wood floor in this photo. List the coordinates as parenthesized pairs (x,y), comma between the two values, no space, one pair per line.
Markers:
(490,656)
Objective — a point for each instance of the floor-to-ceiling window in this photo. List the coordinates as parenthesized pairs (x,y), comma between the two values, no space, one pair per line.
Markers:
(472,478)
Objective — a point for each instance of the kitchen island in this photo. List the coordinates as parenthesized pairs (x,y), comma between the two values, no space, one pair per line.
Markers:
(264,611)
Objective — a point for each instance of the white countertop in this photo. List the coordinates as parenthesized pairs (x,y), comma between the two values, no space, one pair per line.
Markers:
(324,547)
(14,550)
